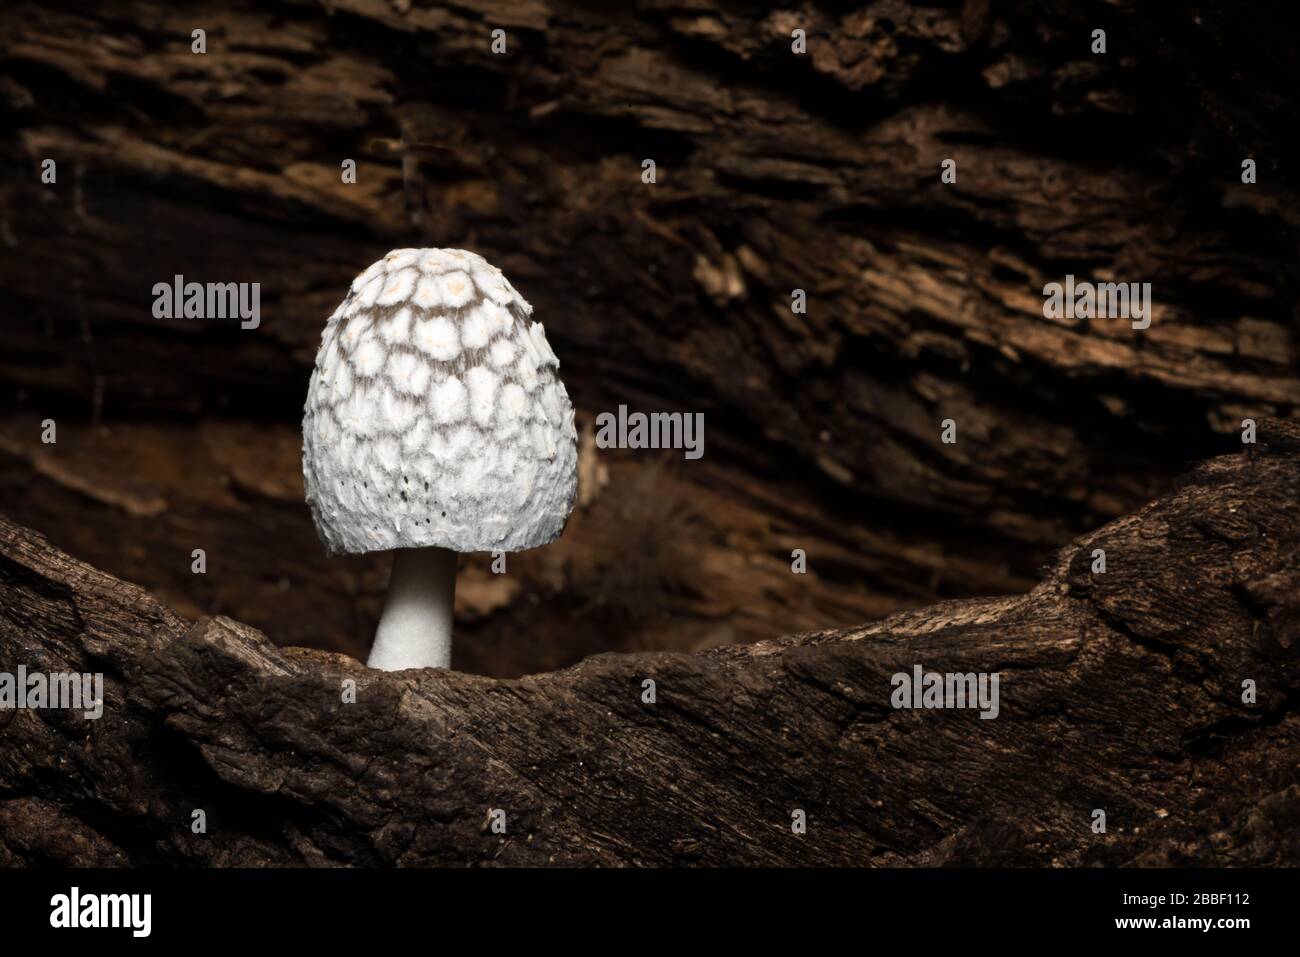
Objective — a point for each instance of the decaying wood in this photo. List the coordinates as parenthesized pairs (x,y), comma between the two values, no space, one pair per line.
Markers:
(775,172)
(1120,691)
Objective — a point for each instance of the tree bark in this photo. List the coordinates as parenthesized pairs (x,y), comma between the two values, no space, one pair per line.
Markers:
(775,171)
(1121,691)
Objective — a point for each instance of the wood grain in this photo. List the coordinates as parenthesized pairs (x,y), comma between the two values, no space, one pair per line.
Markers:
(1120,691)
(776,172)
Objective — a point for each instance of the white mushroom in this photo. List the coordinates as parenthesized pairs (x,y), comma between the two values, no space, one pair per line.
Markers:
(414,437)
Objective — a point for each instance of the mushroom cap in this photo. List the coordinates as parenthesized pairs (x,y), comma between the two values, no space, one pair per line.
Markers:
(435,415)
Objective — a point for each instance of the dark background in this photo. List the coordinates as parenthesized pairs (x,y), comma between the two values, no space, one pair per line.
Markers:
(775,172)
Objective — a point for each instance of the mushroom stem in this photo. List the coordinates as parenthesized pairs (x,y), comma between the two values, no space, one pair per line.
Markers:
(415,628)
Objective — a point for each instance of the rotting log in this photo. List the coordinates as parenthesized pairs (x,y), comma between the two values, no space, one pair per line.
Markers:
(1120,691)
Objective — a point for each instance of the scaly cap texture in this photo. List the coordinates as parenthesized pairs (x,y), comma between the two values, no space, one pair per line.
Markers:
(435,415)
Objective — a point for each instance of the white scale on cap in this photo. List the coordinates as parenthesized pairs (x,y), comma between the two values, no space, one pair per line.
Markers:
(460,432)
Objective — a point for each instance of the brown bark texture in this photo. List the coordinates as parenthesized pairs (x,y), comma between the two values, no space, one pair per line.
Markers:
(775,171)
(1121,692)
